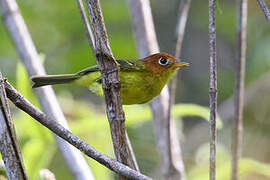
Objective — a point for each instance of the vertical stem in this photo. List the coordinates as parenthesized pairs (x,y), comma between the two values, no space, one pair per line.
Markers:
(181,25)
(264,9)
(179,37)
(212,86)
(9,147)
(111,86)
(237,134)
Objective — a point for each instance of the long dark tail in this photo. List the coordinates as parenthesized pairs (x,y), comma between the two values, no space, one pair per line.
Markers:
(39,81)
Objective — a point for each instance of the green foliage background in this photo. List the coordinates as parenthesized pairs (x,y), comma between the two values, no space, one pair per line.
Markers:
(58,34)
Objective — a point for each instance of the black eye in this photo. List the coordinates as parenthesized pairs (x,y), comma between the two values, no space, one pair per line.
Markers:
(163,61)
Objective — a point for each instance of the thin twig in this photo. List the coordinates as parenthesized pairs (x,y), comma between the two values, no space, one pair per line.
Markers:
(111,86)
(181,25)
(88,30)
(147,44)
(9,147)
(212,86)
(64,133)
(179,37)
(14,22)
(237,134)
(264,9)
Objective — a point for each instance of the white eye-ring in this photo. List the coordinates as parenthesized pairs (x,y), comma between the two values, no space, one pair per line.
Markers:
(163,61)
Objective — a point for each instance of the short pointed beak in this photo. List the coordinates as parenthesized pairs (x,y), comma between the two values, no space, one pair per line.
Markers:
(181,64)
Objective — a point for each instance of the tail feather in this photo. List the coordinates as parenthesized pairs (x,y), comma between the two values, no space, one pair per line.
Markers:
(39,81)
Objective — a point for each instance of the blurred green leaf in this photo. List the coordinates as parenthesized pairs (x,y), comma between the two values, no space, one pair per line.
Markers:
(2,168)
(200,171)
(36,141)
(90,123)
(139,113)
(23,84)
(188,110)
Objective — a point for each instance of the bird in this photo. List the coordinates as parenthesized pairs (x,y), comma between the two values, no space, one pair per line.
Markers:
(141,80)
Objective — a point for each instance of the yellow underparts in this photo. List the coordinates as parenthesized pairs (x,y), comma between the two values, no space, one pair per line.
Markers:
(136,87)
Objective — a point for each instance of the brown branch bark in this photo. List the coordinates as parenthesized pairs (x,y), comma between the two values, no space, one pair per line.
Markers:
(65,134)
(91,41)
(212,86)
(14,22)
(166,136)
(111,86)
(9,147)
(237,132)
(264,9)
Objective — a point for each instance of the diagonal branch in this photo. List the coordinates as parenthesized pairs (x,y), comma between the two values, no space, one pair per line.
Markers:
(212,86)
(264,9)
(237,133)
(64,133)
(14,22)
(181,25)
(88,30)
(9,147)
(111,86)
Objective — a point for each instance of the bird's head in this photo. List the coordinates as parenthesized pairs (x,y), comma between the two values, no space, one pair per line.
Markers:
(161,63)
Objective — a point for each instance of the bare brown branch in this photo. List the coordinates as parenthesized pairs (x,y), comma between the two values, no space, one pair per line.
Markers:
(22,40)
(64,133)
(212,86)
(264,9)
(9,147)
(111,86)
(237,134)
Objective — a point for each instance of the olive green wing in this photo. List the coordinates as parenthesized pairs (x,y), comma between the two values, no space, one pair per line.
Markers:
(124,65)
(130,65)
(94,74)
(87,71)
